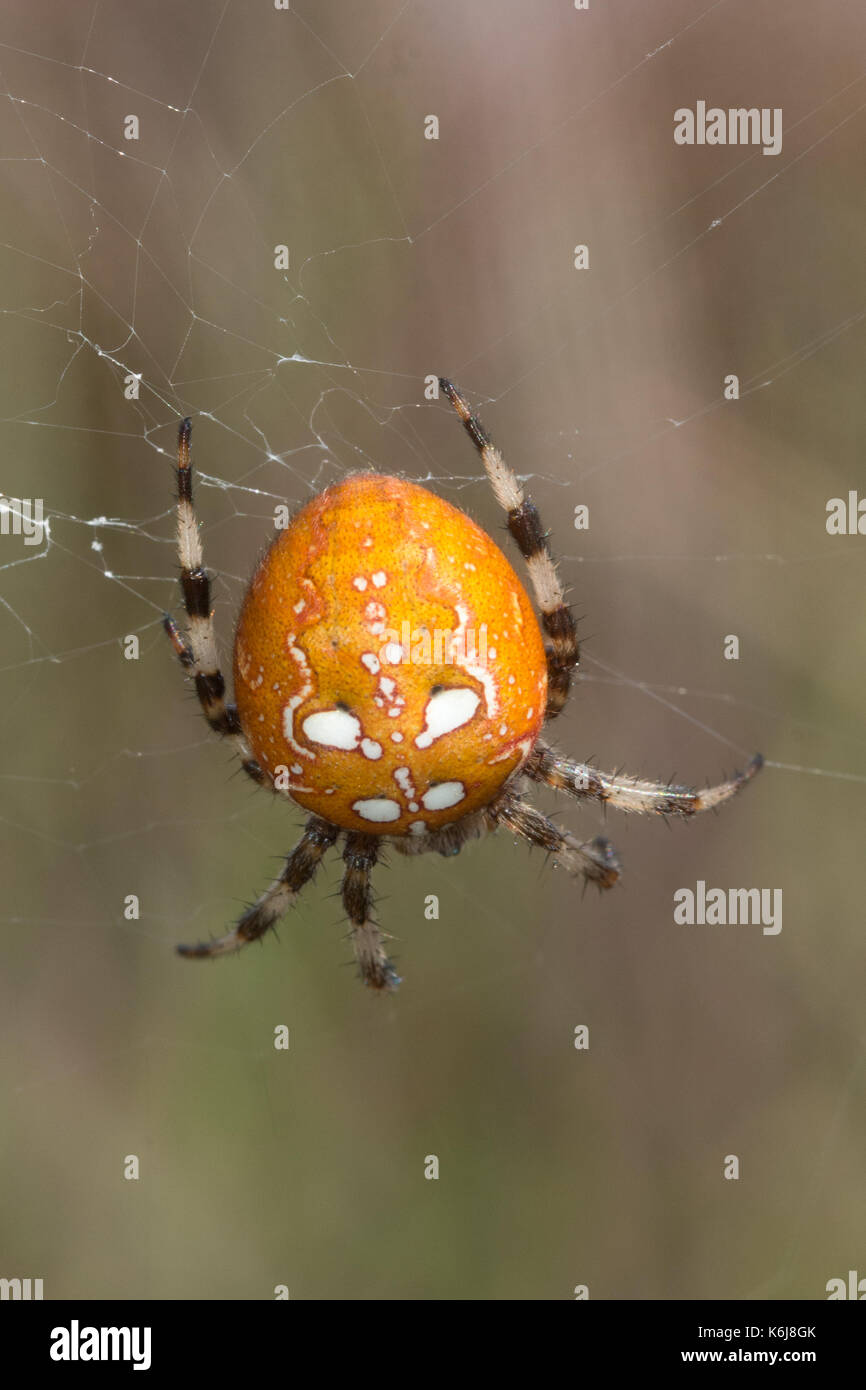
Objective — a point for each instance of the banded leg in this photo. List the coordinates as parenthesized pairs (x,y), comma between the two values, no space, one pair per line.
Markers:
(596,859)
(557,620)
(359,856)
(631,793)
(197,651)
(301,865)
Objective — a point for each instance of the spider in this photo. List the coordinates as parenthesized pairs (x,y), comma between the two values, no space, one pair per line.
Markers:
(346,705)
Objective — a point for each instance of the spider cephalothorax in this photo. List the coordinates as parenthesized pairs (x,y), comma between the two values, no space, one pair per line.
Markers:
(392,679)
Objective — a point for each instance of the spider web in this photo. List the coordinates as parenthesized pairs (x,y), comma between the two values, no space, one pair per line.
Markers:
(140,283)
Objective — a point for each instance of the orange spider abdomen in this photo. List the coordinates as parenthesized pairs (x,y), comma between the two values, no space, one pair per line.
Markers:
(389,669)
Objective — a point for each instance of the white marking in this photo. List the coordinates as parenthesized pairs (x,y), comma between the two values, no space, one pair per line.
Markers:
(296,769)
(299,606)
(370,748)
(445,794)
(375,615)
(396,737)
(530,712)
(200,631)
(371,662)
(393,653)
(403,778)
(335,728)
(380,579)
(447,710)
(360,583)
(303,694)
(387,685)
(418,827)
(377,808)
(367,543)
(479,669)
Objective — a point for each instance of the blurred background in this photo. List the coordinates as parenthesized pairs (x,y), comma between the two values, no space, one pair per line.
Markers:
(408,257)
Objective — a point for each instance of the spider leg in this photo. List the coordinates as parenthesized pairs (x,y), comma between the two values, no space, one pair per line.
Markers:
(596,859)
(301,865)
(197,651)
(631,793)
(524,524)
(359,856)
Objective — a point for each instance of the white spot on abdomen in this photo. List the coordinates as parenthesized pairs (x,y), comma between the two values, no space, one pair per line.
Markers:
(444,795)
(447,710)
(378,809)
(370,748)
(403,778)
(375,615)
(335,728)
(303,694)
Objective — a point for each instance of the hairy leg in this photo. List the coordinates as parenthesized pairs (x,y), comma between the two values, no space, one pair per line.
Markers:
(360,856)
(596,860)
(524,524)
(301,865)
(631,793)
